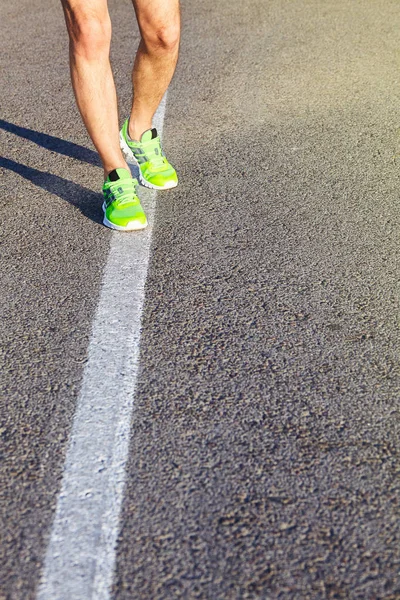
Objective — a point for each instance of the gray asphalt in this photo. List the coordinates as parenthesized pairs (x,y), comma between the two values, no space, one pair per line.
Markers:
(264,454)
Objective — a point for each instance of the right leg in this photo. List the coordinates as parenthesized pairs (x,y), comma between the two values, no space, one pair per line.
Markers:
(89,29)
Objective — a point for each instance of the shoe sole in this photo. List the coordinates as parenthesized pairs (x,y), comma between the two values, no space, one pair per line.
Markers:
(130,156)
(132,225)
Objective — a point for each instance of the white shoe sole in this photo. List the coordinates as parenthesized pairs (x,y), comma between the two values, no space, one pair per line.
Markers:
(131,157)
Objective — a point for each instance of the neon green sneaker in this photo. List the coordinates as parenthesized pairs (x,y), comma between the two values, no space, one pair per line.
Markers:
(122,209)
(154,169)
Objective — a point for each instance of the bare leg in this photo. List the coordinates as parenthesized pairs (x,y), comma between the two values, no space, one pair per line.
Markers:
(155,62)
(89,29)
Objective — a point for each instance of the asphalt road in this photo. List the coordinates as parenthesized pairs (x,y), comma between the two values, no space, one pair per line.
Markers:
(264,459)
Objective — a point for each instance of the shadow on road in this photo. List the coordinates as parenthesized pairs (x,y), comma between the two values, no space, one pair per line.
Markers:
(53,143)
(86,200)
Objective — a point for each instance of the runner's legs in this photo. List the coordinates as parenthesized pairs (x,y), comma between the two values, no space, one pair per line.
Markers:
(156,58)
(89,28)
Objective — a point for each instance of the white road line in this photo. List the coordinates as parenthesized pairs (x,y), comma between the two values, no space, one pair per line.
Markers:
(80,557)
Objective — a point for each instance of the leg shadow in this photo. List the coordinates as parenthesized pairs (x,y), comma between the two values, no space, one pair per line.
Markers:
(87,201)
(53,143)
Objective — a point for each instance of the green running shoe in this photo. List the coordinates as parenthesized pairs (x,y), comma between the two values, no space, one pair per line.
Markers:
(122,209)
(154,169)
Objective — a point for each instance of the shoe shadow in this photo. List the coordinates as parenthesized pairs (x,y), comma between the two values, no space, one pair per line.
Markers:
(53,143)
(87,201)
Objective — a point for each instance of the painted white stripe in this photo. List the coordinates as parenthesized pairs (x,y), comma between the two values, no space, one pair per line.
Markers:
(80,558)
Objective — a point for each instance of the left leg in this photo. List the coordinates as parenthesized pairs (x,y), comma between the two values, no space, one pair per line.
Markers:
(155,62)
(159,23)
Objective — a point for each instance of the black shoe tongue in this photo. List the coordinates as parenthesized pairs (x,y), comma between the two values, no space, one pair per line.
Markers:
(113,175)
(148,135)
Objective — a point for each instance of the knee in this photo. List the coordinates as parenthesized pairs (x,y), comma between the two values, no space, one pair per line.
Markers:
(162,38)
(90,35)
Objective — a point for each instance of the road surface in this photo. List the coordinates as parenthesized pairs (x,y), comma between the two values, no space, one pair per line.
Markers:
(264,420)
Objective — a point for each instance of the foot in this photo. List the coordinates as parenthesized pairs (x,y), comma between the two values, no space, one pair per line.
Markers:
(154,169)
(122,209)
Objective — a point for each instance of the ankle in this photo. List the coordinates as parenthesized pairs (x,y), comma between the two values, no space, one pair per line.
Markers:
(137,128)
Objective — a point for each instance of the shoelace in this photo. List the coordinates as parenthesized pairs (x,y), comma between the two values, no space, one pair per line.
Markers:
(126,192)
(153,153)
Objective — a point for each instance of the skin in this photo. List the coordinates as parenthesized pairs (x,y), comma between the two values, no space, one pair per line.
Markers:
(89,28)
